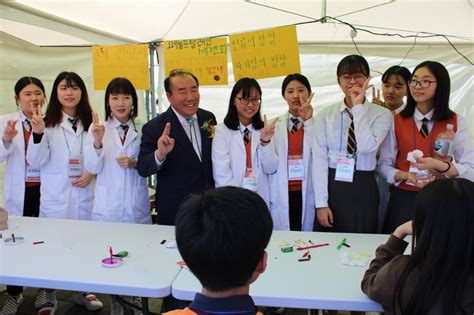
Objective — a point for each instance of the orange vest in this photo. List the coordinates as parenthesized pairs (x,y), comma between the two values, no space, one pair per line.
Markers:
(248,154)
(187,311)
(409,138)
(295,147)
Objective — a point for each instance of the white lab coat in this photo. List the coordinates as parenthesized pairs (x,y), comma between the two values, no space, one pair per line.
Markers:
(59,198)
(229,159)
(14,179)
(121,195)
(279,207)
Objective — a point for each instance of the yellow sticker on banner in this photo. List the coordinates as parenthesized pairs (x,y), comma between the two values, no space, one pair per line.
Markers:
(265,54)
(206,58)
(128,61)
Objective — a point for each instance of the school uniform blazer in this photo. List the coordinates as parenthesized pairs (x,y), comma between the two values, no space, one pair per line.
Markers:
(279,206)
(14,177)
(121,194)
(59,198)
(181,173)
(229,159)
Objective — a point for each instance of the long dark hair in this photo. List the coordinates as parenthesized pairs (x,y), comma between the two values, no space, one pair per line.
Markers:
(246,85)
(121,86)
(54,113)
(441,97)
(442,248)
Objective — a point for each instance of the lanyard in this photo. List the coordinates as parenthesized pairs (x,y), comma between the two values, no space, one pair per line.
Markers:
(67,144)
(415,130)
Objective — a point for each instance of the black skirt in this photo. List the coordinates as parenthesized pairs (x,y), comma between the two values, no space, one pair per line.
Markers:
(354,205)
(399,208)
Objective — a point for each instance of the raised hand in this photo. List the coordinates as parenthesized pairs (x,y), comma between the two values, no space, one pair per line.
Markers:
(376,97)
(10,131)
(126,162)
(306,110)
(98,131)
(165,143)
(37,122)
(268,130)
(358,92)
(84,180)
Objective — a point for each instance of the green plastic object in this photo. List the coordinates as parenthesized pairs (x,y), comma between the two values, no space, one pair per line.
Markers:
(288,249)
(121,254)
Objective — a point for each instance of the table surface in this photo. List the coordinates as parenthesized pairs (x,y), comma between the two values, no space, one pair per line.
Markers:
(70,257)
(323,282)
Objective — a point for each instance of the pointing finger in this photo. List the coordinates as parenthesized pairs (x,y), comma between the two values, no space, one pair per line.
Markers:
(166,131)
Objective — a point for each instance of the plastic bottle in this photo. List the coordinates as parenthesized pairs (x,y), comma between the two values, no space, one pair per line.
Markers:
(444,147)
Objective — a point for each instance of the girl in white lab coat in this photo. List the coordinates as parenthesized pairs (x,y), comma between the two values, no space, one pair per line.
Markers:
(57,147)
(21,182)
(243,154)
(292,202)
(111,152)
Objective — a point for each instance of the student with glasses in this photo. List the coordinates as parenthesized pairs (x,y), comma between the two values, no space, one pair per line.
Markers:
(243,153)
(347,138)
(426,115)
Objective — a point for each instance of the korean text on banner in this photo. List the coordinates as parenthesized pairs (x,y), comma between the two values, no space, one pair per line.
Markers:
(128,61)
(206,58)
(265,54)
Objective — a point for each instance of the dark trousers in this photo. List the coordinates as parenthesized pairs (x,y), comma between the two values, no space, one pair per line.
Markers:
(399,209)
(30,209)
(295,203)
(354,205)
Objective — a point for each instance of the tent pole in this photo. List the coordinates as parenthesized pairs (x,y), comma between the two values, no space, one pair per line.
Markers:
(151,111)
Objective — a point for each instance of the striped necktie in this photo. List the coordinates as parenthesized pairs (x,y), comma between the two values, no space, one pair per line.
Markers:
(295,122)
(125,130)
(28,123)
(246,136)
(73,122)
(424,128)
(351,139)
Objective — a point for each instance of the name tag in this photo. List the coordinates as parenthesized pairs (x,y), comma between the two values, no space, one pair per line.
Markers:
(250,181)
(345,169)
(75,166)
(295,167)
(33,175)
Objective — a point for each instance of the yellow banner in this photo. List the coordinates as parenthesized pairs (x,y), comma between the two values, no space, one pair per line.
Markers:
(206,58)
(265,54)
(128,61)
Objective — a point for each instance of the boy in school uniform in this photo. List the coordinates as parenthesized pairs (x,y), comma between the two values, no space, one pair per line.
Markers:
(222,235)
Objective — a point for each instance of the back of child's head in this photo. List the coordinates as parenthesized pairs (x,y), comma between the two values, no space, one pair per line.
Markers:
(121,86)
(222,235)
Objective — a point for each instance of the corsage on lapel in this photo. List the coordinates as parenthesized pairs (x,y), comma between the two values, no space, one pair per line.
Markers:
(209,128)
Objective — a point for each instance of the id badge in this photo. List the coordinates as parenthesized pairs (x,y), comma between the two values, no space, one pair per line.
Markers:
(250,181)
(295,167)
(75,166)
(33,175)
(345,168)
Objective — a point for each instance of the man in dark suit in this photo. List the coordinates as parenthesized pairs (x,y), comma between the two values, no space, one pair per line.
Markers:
(177,147)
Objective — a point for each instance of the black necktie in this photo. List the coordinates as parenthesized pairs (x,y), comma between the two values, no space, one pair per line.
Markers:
(28,123)
(351,139)
(246,136)
(73,122)
(125,130)
(295,122)
(424,128)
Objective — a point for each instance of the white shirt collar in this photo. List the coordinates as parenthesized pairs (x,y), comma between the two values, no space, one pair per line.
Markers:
(398,110)
(242,127)
(114,122)
(182,119)
(419,116)
(342,106)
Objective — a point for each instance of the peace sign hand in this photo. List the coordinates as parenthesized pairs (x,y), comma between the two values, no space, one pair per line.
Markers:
(37,122)
(268,130)
(358,92)
(165,143)
(10,131)
(306,110)
(376,97)
(98,131)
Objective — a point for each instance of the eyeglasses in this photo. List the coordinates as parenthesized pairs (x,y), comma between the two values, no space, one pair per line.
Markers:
(358,77)
(246,101)
(423,83)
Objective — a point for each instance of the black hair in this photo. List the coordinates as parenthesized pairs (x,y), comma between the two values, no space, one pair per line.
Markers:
(246,85)
(121,86)
(178,73)
(353,64)
(442,247)
(397,71)
(441,98)
(296,77)
(54,113)
(222,235)
(25,81)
